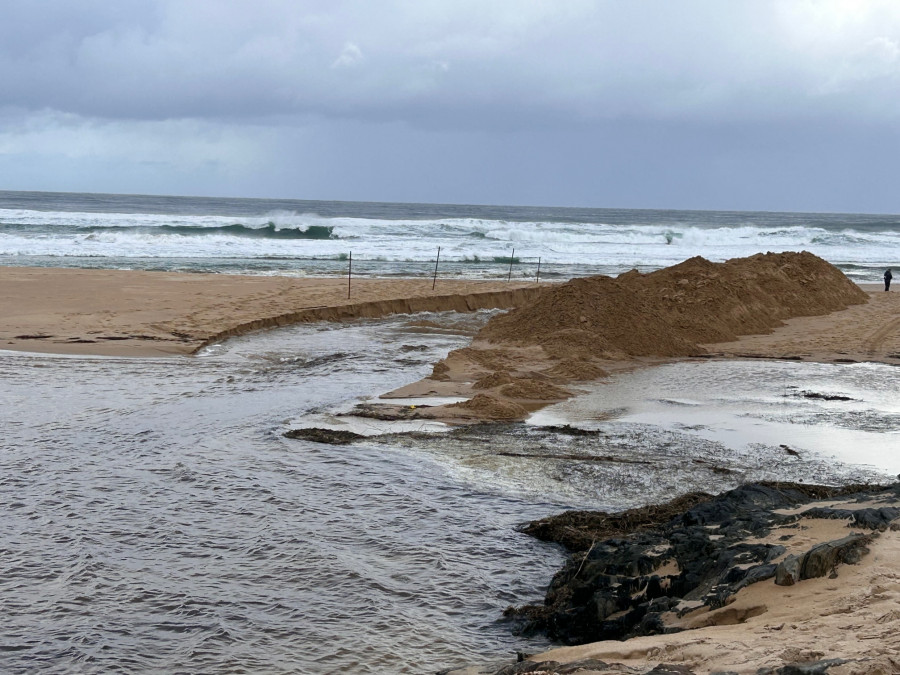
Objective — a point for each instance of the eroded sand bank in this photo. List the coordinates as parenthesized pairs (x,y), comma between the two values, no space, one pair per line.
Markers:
(136,313)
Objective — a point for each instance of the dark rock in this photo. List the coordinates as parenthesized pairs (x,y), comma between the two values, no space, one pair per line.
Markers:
(586,664)
(578,530)
(569,430)
(823,558)
(871,519)
(485,669)
(670,669)
(330,436)
(788,571)
(529,667)
(615,585)
(825,397)
(759,573)
(573,668)
(816,668)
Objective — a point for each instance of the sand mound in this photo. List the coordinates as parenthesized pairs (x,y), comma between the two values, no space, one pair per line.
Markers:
(487,407)
(672,311)
(528,388)
(573,369)
(489,359)
(495,379)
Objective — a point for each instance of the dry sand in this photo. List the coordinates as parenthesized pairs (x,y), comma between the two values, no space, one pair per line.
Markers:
(869,332)
(132,313)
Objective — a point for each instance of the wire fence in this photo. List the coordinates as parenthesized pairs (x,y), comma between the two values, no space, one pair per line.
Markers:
(530,266)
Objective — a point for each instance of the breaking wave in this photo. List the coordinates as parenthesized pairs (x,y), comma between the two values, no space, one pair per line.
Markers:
(268,231)
(568,242)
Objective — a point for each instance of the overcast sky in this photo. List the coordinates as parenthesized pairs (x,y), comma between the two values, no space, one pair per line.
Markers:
(744,104)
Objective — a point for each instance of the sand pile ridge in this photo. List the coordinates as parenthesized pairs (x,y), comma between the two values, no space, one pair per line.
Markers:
(586,328)
(672,311)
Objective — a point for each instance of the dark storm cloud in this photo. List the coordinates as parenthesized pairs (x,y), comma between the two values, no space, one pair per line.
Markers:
(774,104)
(448,63)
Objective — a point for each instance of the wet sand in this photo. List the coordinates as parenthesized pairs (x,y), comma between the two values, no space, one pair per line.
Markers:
(867,332)
(136,313)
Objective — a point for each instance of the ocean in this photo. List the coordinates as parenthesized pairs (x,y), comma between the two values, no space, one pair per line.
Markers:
(156,520)
(294,237)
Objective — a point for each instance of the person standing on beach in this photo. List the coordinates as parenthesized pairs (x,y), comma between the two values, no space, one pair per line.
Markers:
(887,280)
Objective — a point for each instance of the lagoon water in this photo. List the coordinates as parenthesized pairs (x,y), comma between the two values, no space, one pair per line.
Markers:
(156,520)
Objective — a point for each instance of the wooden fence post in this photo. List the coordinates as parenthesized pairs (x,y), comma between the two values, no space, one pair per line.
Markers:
(434,280)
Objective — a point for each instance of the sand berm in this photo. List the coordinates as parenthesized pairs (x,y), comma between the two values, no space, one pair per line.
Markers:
(582,329)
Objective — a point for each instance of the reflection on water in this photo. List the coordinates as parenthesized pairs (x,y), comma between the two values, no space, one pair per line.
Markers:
(842,413)
(155,520)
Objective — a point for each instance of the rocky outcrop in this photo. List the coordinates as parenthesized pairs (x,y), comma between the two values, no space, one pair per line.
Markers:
(584,667)
(673,570)
(329,436)
(822,559)
(625,578)
(597,667)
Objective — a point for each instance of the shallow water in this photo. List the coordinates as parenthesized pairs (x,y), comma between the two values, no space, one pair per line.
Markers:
(155,519)
(843,414)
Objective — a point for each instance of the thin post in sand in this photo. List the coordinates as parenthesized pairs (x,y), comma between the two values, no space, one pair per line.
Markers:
(349,272)
(511,258)
(537,278)
(434,279)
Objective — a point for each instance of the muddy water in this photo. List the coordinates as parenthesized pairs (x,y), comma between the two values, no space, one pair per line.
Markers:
(155,520)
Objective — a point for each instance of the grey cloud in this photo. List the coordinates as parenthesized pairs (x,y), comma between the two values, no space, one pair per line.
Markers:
(450,64)
(770,104)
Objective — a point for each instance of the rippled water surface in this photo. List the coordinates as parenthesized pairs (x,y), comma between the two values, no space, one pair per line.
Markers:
(155,519)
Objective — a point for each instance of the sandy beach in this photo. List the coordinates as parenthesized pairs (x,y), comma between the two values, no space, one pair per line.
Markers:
(868,332)
(136,313)
(128,313)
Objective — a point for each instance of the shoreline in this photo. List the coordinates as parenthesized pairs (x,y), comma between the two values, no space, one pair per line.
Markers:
(145,314)
(137,313)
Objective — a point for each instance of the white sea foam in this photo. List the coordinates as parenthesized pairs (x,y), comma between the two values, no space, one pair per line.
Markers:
(598,244)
